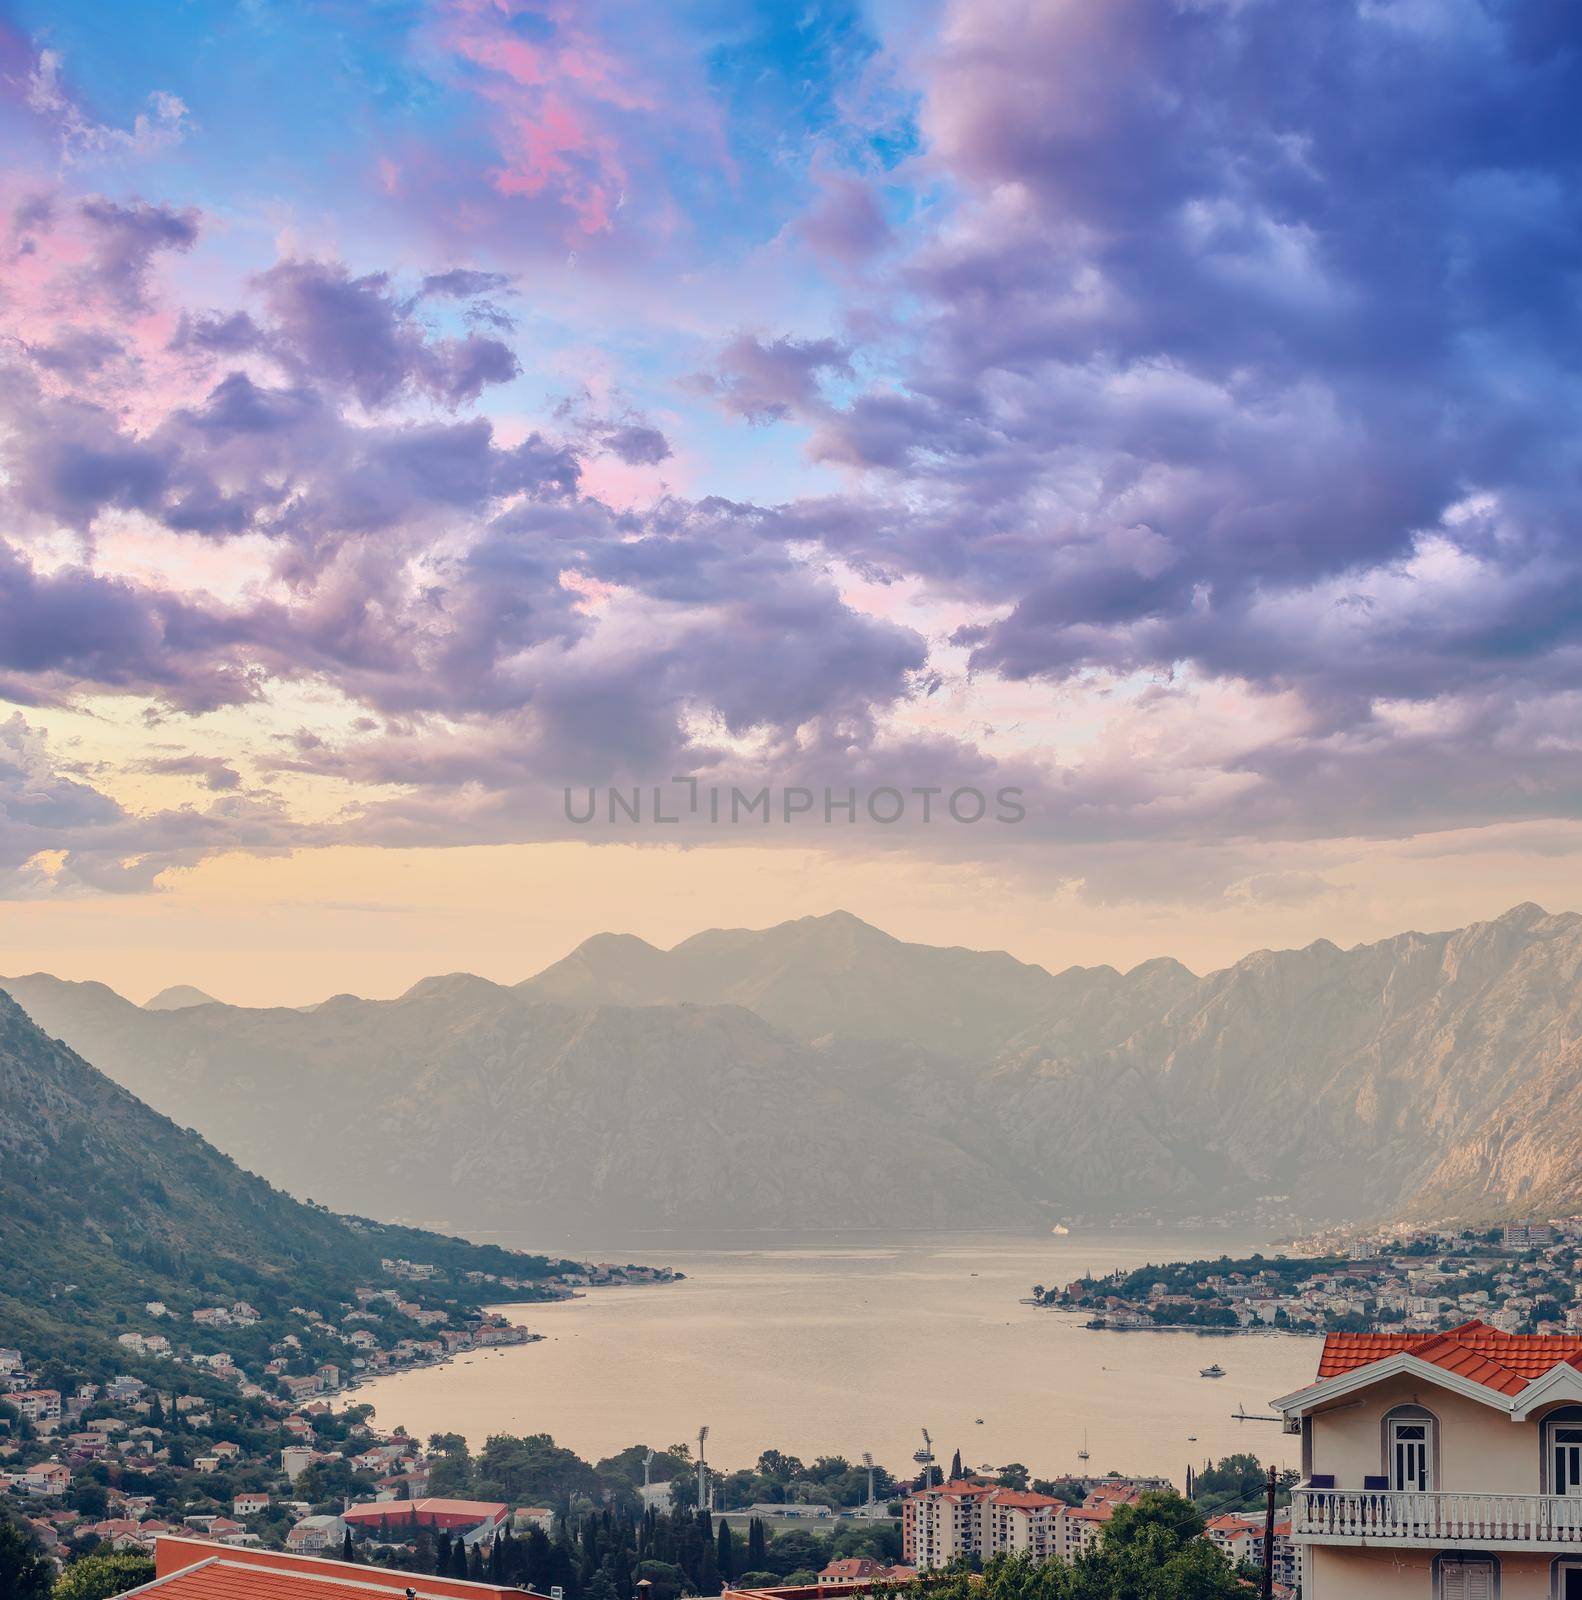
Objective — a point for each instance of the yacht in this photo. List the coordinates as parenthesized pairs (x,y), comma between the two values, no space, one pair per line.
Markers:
(1216,1371)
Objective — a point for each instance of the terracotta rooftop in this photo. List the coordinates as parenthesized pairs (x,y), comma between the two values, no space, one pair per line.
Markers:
(192,1569)
(1025,1500)
(378,1510)
(1504,1362)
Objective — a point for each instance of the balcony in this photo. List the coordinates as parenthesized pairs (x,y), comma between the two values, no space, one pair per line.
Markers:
(1433,1519)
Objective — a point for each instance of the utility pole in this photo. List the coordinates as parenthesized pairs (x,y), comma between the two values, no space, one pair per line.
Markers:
(703,1471)
(1266,1588)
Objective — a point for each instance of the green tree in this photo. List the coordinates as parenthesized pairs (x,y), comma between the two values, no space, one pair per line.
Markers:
(725,1554)
(1154,1510)
(793,1550)
(779,1466)
(450,1466)
(533,1470)
(91,1499)
(24,1571)
(98,1576)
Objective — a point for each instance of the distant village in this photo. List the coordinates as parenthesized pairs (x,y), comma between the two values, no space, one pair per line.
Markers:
(292,1462)
(1521,1277)
(109,1460)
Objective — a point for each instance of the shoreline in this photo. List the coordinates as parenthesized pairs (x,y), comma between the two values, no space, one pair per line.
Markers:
(1183,1327)
(820,1327)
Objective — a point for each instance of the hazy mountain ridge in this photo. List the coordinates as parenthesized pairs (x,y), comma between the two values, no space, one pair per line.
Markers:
(821,1074)
(177,998)
(837,977)
(478,1106)
(106,1204)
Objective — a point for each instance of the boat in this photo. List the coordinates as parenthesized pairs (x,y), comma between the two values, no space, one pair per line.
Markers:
(1216,1371)
(978,1421)
(1191,1438)
(1060,1229)
(1082,1454)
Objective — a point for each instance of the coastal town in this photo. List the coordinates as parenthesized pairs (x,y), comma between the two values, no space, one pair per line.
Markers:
(1520,1277)
(188,1434)
(295,1464)
(224,1432)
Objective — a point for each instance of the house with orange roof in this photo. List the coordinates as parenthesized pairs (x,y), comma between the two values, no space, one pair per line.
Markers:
(192,1569)
(1237,1538)
(475,1520)
(849,1569)
(1446,1466)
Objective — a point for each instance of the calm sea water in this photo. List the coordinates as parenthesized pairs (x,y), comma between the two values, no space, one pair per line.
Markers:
(844,1347)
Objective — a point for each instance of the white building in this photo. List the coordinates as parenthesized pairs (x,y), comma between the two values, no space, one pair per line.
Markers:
(969,1517)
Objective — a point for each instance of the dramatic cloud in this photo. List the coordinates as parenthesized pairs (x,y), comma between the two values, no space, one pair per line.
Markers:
(770,381)
(1177,418)
(351,332)
(60,834)
(1233,362)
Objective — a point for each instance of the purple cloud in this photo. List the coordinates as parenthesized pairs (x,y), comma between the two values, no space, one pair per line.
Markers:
(125,239)
(1243,366)
(769,382)
(354,333)
(847,224)
(637,444)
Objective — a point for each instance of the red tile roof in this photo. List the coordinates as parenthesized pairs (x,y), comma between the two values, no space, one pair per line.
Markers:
(406,1510)
(1024,1499)
(1504,1362)
(1229,1522)
(851,1567)
(192,1569)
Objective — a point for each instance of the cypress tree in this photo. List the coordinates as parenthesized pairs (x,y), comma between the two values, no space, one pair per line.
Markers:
(955,1467)
(442,1554)
(757,1547)
(536,1561)
(347,1553)
(725,1555)
(458,1559)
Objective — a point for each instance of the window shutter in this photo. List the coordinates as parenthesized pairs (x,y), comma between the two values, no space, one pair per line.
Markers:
(1467,1580)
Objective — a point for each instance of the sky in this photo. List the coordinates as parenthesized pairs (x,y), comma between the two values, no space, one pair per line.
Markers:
(1096,481)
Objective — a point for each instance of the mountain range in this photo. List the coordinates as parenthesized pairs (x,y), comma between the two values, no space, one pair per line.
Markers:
(107,1205)
(822,1074)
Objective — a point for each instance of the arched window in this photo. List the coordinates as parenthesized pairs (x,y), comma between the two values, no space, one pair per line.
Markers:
(1466,1577)
(1411,1448)
(1565,1578)
(1561,1471)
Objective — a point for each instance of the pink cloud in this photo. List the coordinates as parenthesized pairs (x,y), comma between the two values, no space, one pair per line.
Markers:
(555,103)
(82,296)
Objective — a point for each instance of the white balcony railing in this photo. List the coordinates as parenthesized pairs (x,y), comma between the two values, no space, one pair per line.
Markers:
(1408,1516)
